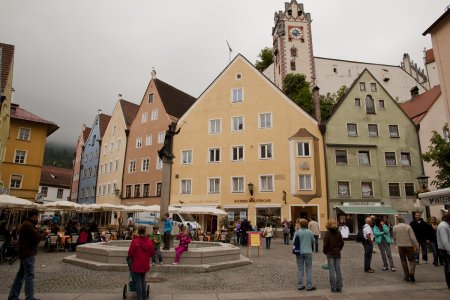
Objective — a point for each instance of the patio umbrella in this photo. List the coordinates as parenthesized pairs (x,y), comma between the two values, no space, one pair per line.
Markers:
(7,201)
(139,208)
(63,205)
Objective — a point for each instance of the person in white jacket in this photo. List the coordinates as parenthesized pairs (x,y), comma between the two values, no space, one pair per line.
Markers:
(443,241)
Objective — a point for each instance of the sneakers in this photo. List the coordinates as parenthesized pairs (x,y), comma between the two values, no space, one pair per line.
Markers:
(175,263)
(301,288)
(393,269)
(370,271)
(153,263)
(385,268)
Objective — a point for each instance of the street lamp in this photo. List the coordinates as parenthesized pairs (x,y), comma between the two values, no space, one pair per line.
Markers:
(250,188)
(423,182)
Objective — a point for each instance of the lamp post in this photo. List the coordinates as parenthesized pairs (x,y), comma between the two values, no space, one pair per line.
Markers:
(423,187)
(250,188)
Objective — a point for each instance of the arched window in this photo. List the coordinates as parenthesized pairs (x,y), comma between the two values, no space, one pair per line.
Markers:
(370,105)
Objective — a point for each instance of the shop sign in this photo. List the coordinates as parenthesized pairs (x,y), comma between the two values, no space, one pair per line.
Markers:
(252,200)
(254,240)
(436,200)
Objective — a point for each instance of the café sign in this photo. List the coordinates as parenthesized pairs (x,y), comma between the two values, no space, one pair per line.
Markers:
(439,197)
(252,200)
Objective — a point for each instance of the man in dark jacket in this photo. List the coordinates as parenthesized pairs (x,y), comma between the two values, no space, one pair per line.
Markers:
(421,231)
(29,238)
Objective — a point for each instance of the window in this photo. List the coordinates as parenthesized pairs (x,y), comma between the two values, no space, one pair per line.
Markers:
(105,150)
(394,190)
(186,186)
(304,182)
(44,190)
(95,170)
(238,123)
(237,95)
(20,157)
(266,183)
(138,142)
(128,191)
(366,189)
(145,164)
(303,149)
(405,158)
(148,140)
(214,155)
(393,131)
(343,189)
(238,76)
(263,214)
(213,185)
(111,147)
(265,151)
(158,189)
(101,169)
(237,153)
(113,130)
(364,157)
(237,184)
(373,86)
(352,129)
(137,190)
(341,156)
(186,157)
(146,191)
(150,98)
(110,166)
(389,158)
(373,129)
(118,144)
(154,114)
(24,134)
(214,126)
(59,193)
(381,104)
(144,117)
(159,163)
(370,105)
(132,166)
(362,86)
(265,120)
(116,165)
(294,52)
(357,102)
(293,65)
(16,182)
(161,136)
(409,190)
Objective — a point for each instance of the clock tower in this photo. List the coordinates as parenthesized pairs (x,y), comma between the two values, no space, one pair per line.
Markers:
(292,43)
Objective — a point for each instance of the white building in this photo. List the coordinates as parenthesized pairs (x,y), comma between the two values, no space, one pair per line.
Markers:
(55,184)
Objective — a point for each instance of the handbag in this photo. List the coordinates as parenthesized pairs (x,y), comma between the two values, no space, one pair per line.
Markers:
(296,247)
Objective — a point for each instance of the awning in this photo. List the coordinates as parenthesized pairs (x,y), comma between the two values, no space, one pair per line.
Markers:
(368,210)
(439,197)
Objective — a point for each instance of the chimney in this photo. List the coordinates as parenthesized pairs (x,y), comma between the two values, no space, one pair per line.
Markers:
(316,98)
(153,73)
(414,92)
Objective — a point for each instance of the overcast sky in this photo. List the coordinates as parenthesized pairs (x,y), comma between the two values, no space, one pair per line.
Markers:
(74,57)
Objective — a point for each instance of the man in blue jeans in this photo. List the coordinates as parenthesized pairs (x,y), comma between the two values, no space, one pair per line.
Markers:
(29,238)
(368,245)
(304,259)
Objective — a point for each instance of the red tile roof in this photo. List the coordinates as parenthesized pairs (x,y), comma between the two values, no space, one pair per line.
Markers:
(86,132)
(7,60)
(22,114)
(129,110)
(175,102)
(57,177)
(429,56)
(104,121)
(417,108)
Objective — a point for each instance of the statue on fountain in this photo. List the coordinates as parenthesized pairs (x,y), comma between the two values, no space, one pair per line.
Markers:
(166,150)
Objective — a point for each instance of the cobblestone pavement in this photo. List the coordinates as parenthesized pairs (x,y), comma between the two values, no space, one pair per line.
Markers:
(275,271)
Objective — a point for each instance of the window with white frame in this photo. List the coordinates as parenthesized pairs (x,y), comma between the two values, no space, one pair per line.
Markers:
(137,190)
(118,144)
(214,126)
(343,189)
(373,129)
(341,156)
(132,166)
(161,136)
(366,189)
(24,134)
(116,165)
(16,181)
(364,157)
(128,191)
(381,104)
(159,163)
(145,164)
(305,182)
(186,186)
(20,157)
(154,114)
(237,153)
(394,190)
(144,117)
(148,140)
(373,86)
(390,159)
(265,120)
(186,157)
(146,190)
(265,151)
(105,150)
(237,95)
(111,147)
(110,166)
(44,190)
(362,86)
(138,142)
(405,159)
(357,102)
(237,184)
(266,183)
(213,185)
(393,131)
(303,149)
(59,193)
(409,190)
(352,129)
(158,189)
(150,98)
(237,123)
(214,155)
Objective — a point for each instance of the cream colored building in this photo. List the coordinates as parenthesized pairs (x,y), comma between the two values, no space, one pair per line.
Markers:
(6,93)
(244,132)
(112,154)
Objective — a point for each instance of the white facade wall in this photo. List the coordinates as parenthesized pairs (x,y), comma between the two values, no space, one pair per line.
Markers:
(432,73)
(52,194)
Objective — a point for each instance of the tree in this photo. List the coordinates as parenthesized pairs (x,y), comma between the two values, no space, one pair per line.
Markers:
(328,101)
(298,90)
(439,154)
(266,56)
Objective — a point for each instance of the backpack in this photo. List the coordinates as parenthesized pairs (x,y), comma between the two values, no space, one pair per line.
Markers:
(360,236)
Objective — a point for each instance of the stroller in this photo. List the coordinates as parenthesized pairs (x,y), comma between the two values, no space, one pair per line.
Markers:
(131,286)
(8,251)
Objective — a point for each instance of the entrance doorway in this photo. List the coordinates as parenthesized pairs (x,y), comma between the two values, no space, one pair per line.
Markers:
(304,212)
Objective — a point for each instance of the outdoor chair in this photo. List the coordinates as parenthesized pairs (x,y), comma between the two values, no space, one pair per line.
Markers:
(113,235)
(208,236)
(74,241)
(54,241)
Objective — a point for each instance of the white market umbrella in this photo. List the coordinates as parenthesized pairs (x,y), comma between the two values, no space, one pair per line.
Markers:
(142,208)
(8,201)
(63,205)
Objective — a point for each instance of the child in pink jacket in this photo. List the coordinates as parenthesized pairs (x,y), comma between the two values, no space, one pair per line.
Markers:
(184,239)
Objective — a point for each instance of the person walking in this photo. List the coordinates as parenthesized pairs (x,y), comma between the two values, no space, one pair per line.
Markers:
(304,259)
(155,236)
(238,233)
(244,228)
(332,246)
(168,225)
(184,239)
(406,242)
(140,252)
(315,229)
(384,241)
(268,234)
(437,258)
(29,238)
(368,245)
(286,228)
(421,230)
(443,241)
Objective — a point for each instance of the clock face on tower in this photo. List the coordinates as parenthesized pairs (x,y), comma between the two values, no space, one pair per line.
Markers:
(295,33)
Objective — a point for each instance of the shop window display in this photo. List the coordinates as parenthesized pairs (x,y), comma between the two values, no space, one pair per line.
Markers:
(265,215)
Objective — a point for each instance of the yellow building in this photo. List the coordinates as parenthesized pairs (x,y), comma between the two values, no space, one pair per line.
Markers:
(6,79)
(246,147)
(21,169)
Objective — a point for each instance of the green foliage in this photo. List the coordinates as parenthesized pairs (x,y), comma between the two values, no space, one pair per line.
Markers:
(58,156)
(266,56)
(298,90)
(328,101)
(439,154)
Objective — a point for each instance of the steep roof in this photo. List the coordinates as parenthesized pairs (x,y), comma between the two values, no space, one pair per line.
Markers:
(303,133)
(7,60)
(22,114)
(437,22)
(129,110)
(417,108)
(175,102)
(86,132)
(104,121)
(57,177)
(429,56)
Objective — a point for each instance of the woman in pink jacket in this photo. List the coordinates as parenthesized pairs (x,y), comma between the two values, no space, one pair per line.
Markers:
(140,252)
(184,239)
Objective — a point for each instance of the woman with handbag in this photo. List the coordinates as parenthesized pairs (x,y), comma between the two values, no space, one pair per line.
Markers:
(332,246)
(268,234)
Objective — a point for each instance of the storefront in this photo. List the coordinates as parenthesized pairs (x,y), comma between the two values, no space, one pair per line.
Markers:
(237,213)
(268,214)
(306,211)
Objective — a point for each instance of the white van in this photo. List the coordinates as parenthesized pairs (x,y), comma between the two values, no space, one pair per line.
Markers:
(152,218)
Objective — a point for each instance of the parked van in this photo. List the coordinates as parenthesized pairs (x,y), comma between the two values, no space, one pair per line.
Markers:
(152,218)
